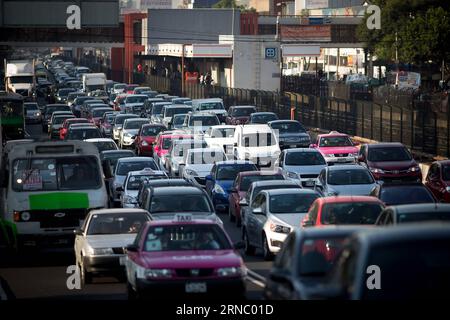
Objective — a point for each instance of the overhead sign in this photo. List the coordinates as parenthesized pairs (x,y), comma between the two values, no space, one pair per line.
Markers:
(212,51)
(296,50)
(155,4)
(59,13)
(316,4)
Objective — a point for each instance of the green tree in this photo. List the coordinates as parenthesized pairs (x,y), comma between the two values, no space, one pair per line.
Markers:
(418,29)
(228,4)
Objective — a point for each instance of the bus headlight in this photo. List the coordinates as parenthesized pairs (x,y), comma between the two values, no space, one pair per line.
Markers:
(25,216)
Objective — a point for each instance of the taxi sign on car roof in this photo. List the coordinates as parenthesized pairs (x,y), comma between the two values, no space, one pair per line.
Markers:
(183,217)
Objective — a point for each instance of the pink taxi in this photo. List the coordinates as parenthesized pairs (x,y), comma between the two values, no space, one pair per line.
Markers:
(184,257)
(337,148)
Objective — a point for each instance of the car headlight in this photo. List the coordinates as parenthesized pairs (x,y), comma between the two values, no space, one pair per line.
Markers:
(191,172)
(231,272)
(292,175)
(218,189)
(127,135)
(144,143)
(447,189)
(37,114)
(158,273)
(376,170)
(279,228)
(330,155)
(102,251)
(414,169)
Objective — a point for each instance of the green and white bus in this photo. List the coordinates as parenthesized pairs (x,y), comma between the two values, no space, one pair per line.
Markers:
(50,188)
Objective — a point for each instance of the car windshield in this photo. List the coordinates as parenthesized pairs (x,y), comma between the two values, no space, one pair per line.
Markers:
(135,181)
(136,99)
(121,120)
(105,145)
(134,124)
(427,261)
(170,112)
(203,121)
(406,195)
(114,157)
(260,139)
(186,238)
(65,92)
(291,203)
(180,148)
(68,173)
(304,159)
(350,213)
(317,256)
(151,131)
(230,171)
(288,127)
(83,134)
(446,172)
(349,177)
(119,86)
(126,166)
(209,157)
(166,143)
(423,216)
(339,141)
(99,113)
(157,109)
(116,223)
(242,112)
(389,154)
(197,202)
(246,181)
(31,107)
(211,106)
(50,110)
(60,119)
(110,118)
(179,120)
(263,118)
(222,133)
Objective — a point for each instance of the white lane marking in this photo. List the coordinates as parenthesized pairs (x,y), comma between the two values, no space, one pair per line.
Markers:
(256,275)
(256,282)
(256,278)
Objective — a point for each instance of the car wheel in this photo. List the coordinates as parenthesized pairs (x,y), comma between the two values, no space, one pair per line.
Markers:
(86,277)
(131,294)
(248,249)
(267,254)
(231,217)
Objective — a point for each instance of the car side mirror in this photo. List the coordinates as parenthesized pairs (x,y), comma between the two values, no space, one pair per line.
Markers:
(239,245)
(119,189)
(133,137)
(361,158)
(258,211)
(132,248)
(208,177)
(78,232)
(313,145)
(243,203)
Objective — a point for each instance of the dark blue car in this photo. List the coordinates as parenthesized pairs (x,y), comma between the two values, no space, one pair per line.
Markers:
(221,178)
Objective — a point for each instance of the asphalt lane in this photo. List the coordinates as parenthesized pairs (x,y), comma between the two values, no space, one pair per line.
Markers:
(43,275)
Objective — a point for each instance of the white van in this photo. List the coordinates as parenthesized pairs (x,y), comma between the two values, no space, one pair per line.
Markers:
(257,143)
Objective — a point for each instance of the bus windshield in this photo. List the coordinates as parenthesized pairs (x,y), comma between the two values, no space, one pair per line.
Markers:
(47,174)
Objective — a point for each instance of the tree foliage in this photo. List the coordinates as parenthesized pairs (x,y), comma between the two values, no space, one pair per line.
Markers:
(419,28)
(228,4)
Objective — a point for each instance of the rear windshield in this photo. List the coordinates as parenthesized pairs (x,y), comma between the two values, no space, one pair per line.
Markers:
(230,172)
(125,167)
(83,134)
(120,120)
(242,112)
(203,121)
(406,195)
(117,223)
(304,159)
(181,203)
(350,213)
(246,181)
(211,106)
(349,177)
(172,111)
(288,127)
(340,141)
(135,124)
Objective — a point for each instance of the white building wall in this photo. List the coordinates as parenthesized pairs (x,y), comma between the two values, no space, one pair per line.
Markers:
(250,69)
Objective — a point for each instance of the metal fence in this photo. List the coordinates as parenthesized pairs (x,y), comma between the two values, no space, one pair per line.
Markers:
(419,121)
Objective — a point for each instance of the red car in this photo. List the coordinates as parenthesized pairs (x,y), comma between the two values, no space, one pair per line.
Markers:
(438,180)
(337,148)
(163,143)
(130,88)
(239,114)
(343,210)
(67,122)
(240,187)
(390,162)
(146,137)
(119,102)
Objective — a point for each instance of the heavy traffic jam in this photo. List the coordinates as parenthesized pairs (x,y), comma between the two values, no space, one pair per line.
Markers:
(147,187)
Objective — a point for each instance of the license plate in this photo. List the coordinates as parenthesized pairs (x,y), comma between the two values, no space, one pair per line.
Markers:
(342,160)
(195,287)
(62,241)
(309,183)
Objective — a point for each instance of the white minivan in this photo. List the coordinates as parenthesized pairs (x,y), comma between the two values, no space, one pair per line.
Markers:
(257,143)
